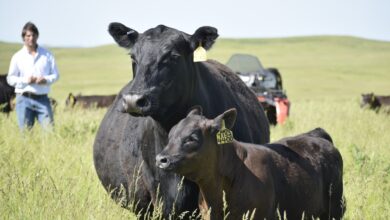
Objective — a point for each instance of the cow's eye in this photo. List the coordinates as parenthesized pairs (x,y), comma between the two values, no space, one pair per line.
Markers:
(175,56)
(170,58)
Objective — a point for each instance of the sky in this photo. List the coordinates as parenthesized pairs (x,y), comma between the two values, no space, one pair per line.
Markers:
(83,23)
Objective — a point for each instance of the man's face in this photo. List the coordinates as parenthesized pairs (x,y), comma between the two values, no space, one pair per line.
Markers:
(30,39)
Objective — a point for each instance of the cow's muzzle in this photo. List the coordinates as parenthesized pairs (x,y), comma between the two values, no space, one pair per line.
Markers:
(136,105)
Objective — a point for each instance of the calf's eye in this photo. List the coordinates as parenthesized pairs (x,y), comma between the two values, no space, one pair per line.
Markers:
(193,138)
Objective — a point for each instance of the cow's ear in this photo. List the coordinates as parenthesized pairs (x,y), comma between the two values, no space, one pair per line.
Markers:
(195,110)
(205,35)
(228,116)
(71,99)
(123,36)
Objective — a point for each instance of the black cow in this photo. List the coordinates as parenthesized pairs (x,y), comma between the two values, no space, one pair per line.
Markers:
(89,101)
(166,84)
(7,93)
(375,102)
(300,175)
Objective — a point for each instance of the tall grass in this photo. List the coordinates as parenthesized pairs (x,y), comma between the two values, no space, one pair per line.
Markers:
(50,175)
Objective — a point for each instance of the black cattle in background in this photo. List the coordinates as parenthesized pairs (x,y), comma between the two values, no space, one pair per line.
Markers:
(89,101)
(375,102)
(7,93)
(166,84)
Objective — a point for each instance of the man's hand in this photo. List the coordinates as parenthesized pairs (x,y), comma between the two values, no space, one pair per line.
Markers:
(31,79)
(40,80)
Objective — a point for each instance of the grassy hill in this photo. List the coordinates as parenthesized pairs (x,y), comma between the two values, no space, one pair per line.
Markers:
(312,67)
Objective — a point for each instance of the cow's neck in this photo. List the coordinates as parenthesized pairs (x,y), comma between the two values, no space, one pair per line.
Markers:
(208,90)
(222,179)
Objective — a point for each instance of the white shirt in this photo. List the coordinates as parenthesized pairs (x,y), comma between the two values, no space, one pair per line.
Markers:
(24,65)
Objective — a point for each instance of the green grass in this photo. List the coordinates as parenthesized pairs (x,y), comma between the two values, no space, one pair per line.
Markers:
(52,176)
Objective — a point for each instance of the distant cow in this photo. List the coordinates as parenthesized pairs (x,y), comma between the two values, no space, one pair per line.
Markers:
(167,82)
(296,175)
(90,101)
(7,93)
(374,101)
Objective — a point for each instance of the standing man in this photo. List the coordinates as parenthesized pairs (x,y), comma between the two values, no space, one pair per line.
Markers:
(31,72)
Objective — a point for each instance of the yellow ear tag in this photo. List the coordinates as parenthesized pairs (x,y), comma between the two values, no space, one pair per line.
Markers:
(72,100)
(200,54)
(372,98)
(224,136)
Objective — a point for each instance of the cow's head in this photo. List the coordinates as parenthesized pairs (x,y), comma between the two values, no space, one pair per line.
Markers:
(163,68)
(367,100)
(192,143)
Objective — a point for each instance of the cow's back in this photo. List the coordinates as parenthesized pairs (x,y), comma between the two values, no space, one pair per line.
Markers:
(383,100)
(308,164)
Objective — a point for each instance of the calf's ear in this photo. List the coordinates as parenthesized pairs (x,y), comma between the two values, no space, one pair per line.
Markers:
(123,36)
(205,35)
(71,100)
(228,116)
(195,110)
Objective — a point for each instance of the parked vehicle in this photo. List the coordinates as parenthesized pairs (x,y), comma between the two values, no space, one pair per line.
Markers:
(266,83)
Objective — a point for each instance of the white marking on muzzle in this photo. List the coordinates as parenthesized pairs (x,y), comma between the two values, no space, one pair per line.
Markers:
(130,102)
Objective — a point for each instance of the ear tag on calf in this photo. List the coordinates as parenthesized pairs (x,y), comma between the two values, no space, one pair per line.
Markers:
(200,54)
(72,100)
(224,136)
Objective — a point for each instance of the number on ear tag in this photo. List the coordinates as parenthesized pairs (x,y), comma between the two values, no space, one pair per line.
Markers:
(224,136)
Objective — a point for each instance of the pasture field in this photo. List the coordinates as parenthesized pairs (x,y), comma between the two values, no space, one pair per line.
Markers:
(50,175)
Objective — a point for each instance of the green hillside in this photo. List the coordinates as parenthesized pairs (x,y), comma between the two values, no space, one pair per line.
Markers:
(312,67)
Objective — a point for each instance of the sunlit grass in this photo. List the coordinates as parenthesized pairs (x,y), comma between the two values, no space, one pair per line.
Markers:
(51,175)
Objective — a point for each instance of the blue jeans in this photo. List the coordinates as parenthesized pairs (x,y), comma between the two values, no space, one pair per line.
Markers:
(27,109)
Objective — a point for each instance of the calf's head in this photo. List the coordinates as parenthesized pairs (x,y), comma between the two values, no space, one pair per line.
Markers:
(192,145)
(162,62)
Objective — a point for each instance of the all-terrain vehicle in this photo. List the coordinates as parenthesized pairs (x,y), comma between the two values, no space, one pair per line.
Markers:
(266,83)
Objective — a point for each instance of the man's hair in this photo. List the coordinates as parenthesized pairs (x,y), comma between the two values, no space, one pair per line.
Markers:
(29,26)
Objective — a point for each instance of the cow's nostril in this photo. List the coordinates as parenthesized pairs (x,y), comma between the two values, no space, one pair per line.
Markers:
(163,160)
(141,102)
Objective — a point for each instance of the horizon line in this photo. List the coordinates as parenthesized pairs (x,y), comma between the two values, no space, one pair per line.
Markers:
(220,38)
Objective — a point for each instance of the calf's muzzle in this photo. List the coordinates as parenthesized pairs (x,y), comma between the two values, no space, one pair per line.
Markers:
(162,161)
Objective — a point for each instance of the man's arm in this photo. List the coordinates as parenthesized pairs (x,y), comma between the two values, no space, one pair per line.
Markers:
(13,78)
(53,76)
